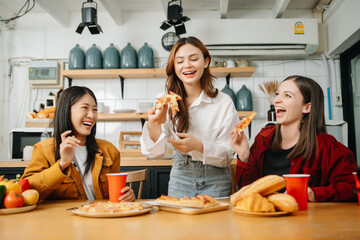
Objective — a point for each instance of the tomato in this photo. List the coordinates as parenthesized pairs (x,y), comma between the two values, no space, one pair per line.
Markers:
(13,199)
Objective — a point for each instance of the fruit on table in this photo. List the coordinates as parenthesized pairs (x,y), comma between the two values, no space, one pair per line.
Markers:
(11,186)
(13,199)
(31,196)
(2,194)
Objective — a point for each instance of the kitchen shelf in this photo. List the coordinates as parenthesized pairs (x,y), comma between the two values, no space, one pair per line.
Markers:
(139,116)
(108,117)
(147,73)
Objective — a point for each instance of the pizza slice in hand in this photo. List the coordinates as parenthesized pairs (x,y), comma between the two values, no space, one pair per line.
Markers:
(171,99)
(245,122)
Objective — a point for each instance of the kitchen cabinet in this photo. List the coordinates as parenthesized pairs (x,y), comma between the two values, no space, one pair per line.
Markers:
(157,183)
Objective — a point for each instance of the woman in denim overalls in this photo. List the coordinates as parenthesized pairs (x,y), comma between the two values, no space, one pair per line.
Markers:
(200,132)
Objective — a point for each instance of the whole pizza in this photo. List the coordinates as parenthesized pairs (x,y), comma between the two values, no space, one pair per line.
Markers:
(111,207)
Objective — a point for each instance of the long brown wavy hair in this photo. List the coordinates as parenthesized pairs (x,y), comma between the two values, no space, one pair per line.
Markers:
(311,124)
(174,84)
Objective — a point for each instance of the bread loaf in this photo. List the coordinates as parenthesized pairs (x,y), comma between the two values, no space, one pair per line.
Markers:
(255,203)
(31,115)
(283,202)
(264,186)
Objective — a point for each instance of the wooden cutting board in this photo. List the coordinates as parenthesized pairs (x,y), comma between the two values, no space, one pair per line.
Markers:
(193,211)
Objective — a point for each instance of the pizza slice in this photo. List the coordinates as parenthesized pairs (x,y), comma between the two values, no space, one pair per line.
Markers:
(245,122)
(200,201)
(168,200)
(171,99)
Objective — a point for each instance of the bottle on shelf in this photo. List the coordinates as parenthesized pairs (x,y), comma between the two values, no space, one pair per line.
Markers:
(244,99)
(111,58)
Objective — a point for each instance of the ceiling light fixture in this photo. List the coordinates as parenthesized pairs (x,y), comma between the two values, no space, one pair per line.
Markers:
(89,18)
(175,17)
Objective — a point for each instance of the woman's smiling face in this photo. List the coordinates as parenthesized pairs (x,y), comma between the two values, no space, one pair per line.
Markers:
(189,64)
(84,116)
(289,104)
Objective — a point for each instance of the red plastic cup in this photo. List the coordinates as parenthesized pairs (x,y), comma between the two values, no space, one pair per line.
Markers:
(297,186)
(116,182)
(357,182)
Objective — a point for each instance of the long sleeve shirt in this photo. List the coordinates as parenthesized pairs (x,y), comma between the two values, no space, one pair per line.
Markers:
(211,120)
(330,172)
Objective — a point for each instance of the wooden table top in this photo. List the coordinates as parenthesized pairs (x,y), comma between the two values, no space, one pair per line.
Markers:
(50,220)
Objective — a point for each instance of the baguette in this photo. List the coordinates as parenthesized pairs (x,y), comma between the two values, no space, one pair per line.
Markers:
(264,186)
(283,202)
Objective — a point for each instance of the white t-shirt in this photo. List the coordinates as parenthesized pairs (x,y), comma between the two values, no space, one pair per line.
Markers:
(79,160)
(211,120)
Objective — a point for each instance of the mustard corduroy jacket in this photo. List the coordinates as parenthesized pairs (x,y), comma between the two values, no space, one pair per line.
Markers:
(46,177)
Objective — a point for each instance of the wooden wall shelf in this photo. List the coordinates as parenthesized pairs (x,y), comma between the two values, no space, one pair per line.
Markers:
(147,73)
(137,116)
(107,117)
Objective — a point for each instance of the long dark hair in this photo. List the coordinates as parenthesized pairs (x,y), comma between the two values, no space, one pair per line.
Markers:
(62,122)
(174,84)
(311,124)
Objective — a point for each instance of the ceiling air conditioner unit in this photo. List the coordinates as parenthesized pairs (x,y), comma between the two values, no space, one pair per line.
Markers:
(257,37)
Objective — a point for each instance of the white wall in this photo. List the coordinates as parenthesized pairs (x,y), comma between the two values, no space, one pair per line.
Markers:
(40,37)
(342,24)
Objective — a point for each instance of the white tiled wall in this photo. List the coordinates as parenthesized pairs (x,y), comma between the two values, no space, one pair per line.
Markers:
(145,90)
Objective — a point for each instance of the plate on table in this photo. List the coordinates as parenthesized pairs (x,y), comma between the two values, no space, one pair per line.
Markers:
(108,214)
(260,214)
(17,210)
(124,110)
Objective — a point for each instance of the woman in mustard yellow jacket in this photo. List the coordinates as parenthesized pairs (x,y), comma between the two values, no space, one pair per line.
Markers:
(73,164)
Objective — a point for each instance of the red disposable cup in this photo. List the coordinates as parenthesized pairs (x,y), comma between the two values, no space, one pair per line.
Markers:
(297,186)
(116,182)
(357,182)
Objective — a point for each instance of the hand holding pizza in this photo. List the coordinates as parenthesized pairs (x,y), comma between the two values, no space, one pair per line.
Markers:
(240,144)
(157,116)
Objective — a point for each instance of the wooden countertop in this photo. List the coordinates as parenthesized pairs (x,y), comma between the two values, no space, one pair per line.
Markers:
(125,162)
(51,220)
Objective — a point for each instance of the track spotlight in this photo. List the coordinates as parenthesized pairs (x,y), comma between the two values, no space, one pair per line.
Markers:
(175,17)
(89,18)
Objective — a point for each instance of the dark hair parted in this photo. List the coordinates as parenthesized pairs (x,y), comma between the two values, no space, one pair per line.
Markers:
(311,124)
(174,84)
(62,122)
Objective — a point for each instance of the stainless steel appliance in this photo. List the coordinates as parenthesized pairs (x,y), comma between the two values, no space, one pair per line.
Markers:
(19,138)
